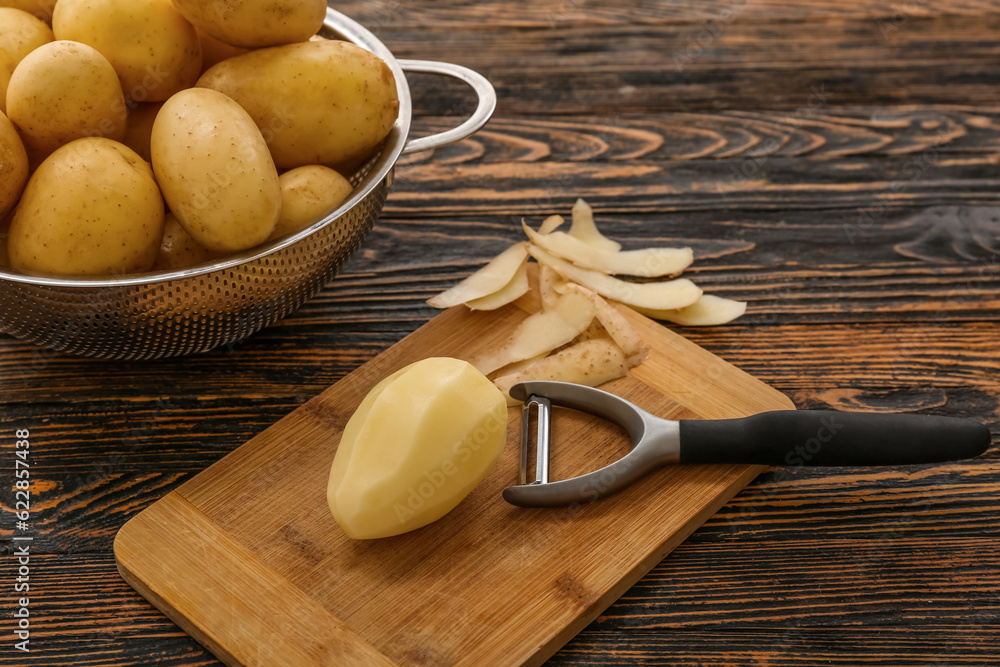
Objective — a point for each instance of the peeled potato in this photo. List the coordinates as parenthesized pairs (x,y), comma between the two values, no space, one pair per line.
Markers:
(20,34)
(418,444)
(63,91)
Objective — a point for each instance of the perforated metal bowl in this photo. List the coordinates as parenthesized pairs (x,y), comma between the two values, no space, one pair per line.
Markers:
(167,314)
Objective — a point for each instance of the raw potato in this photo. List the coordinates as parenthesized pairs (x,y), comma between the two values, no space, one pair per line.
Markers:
(20,34)
(213,51)
(255,23)
(321,102)
(591,362)
(675,293)
(645,263)
(418,444)
(215,171)
(13,167)
(541,333)
(41,9)
(91,208)
(493,277)
(63,91)
(307,193)
(709,310)
(154,50)
(139,127)
(178,250)
(584,229)
(515,289)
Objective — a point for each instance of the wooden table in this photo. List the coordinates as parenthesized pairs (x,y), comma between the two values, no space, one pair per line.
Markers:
(833,163)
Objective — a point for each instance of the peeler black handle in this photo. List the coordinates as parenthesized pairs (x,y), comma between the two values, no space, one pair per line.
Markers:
(831,438)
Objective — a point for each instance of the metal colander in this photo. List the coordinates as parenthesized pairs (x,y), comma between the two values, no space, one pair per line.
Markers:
(168,314)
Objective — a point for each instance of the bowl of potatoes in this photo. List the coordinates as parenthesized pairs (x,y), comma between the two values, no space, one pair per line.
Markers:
(175,178)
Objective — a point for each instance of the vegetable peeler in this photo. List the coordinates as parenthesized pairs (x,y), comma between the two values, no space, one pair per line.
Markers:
(780,437)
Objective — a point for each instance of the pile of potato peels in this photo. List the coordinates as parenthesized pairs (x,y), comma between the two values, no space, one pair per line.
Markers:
(579,335)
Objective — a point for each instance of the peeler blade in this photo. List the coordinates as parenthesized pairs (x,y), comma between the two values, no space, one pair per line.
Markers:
(543,408)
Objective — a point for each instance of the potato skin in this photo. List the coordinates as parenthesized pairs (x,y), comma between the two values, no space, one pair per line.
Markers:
(91,208)
(307,193)
(13,166)
(318,102)
(63,91)
(253,24)
(154,50)
(139,127)
(20,34)
(178,250)
(41,9)
(215,170)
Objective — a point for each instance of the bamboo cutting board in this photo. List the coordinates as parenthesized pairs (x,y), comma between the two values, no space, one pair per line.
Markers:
(247,558)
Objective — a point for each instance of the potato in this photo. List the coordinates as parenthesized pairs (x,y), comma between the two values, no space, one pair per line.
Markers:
(20,34)
(308,193)
(139,127)
(41,9)
(215,170)
(91,208)
(418,444)
(213,51)
(154,50)
(4,232)
(13,166)
(63,91)
(319,102)
(178,250)
(255,23)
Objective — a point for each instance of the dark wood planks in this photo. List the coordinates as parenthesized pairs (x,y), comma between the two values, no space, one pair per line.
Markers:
(860,228)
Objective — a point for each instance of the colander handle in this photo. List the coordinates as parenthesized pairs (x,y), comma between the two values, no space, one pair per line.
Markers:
(484,91)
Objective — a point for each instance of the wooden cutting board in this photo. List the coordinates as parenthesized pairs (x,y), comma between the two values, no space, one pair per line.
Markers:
(248,560)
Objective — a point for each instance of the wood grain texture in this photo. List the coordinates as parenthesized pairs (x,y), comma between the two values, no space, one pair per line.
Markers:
(723,153)
(402,598)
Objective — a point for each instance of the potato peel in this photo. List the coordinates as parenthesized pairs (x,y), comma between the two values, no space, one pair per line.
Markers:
(515,289)
(541,333)
(709,310)
(591,362)
(493,277)
(663,295)
(584,229)
(644,263)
